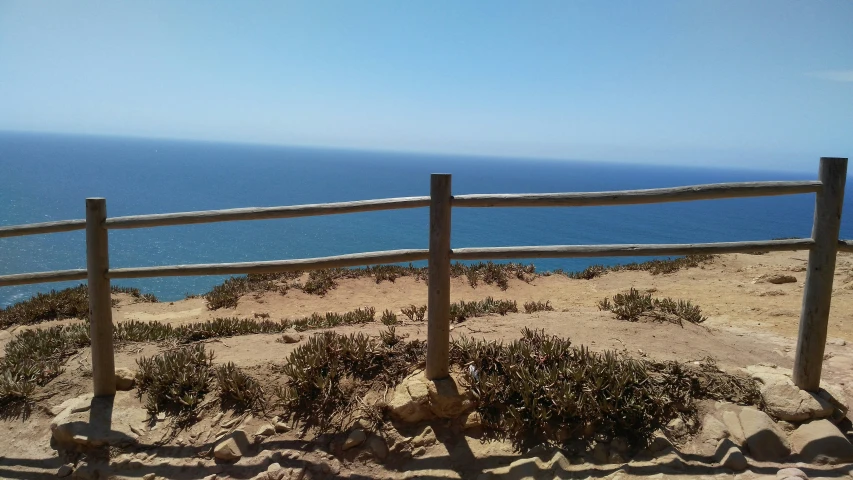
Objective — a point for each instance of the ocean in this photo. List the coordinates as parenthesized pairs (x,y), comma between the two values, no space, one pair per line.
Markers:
(47,177)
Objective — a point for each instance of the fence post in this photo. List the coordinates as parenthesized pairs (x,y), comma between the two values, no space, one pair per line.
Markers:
(100,308)
(817,295)
(438,304)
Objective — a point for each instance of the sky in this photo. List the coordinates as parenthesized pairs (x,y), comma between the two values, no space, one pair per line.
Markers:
(756,83)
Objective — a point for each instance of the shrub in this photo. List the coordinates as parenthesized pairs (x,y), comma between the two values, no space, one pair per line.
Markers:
(238,390)
(633,305)
(388,318)
(530,307)
(175,381)
(462,310)
(414,313)
(330,373)
(654,267)
(68,303)
(331,319)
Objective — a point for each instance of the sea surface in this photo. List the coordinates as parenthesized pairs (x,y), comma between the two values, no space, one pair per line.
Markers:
(47,177)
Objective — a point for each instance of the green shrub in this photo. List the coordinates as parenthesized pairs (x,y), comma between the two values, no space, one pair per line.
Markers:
(330,373)
(175,381)
(331,319)
(654,267)
(462,310)
(632,305)
(238,390)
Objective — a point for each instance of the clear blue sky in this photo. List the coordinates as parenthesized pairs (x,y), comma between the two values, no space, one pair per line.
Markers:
(736,82)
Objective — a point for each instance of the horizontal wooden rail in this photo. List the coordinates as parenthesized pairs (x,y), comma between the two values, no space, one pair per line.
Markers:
(40,228)
(42,277)
(276,266)
(265,213)
(845,246)
(634,197)
(570,251)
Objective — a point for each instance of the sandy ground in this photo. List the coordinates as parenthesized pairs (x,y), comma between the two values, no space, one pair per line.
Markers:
(748,323)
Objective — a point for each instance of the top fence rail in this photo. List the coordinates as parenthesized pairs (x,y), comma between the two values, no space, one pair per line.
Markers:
(580,199)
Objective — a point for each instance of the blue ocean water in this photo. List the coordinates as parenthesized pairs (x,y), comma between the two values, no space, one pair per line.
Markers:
(47,177)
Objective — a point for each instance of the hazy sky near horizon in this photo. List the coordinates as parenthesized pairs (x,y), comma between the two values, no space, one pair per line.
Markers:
(743,83)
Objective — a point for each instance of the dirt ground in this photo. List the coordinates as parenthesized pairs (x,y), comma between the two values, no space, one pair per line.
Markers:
(748,323)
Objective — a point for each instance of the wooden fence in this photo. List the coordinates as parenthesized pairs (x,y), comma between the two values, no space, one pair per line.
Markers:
(823,246)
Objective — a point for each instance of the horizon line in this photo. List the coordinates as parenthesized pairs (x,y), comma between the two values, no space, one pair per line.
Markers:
(380,150)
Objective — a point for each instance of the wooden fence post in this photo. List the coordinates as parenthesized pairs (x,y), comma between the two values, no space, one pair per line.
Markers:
(817,295)
(438,304)
(100,308)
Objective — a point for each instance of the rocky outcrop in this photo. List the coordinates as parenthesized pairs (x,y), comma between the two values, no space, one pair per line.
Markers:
(416,398)
(95,422)
(233,447)
(784,400)
(821,442)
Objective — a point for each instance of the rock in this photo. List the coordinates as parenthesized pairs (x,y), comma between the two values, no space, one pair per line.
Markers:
(149,476)
(425,439)
(791,472)
(776,278)
(125,378)
(733,426)
(418,452)
(473,420)
(281,427)
(677,426)
(291,338)
(232,447)
(600,453)
(619,445)
(355,438)
(265,430)
(659,443)
(822,442)
(729,456)
(230,423)
(275,472)
(835,396)
(786,401)
(765,440)
(94,422)
(713,430)
(417,398)
(377,447)
(65,470)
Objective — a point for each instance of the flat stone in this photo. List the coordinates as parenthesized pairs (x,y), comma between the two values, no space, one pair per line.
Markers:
(265,430)
(765,440)
(354,439)
(281,427)
(822,442)
(406,408)
(230,423)
(426,438)
(275,472)
(233,447)
(729,456)
(106,421)
(291,338)
(149,476)
(791,472)
(65,470)
(473,420)
(377,447)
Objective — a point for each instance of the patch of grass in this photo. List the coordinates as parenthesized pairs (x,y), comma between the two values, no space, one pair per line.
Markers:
(654,267)
(175,381)
(633,305)
(542,389)
(531,307)
(71,302)
(330,373)
(462,310)
(331,319)
(238,390)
